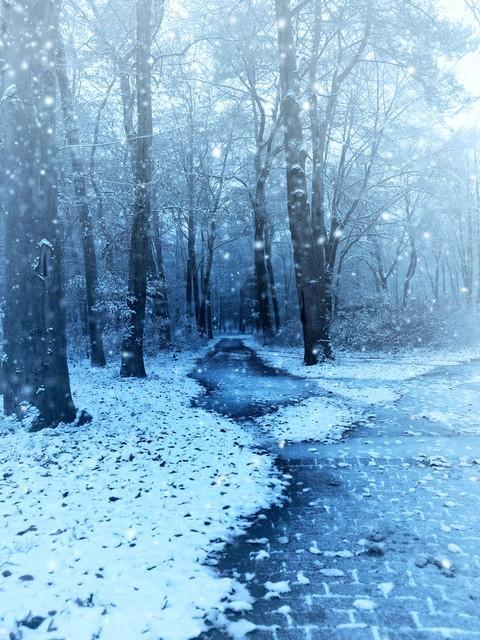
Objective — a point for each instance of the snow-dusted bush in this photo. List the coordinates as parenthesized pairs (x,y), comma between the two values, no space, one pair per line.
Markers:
(375,324)
(290,334)
(185,335)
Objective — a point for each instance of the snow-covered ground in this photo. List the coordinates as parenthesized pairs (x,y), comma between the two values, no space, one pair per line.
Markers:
(104,528)
(107,527)
(355,382)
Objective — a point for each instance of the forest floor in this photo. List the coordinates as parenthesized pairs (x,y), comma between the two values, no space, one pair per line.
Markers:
(105,529)
(117,529)
(379,535)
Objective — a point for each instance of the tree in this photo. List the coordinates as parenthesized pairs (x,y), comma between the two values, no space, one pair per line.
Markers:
(132,348)
(97,353)
(35,363)
(308,276)
(474,8)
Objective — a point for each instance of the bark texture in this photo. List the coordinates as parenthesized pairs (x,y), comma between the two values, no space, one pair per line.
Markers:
(97,352)
(308,277)
(132,348)
(35,363)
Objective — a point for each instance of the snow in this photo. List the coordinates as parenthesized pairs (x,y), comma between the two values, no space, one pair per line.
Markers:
(353,371)
(239,606)
(302,578)
(354,383)
(386,588)
(313,419)
(276,589)
(454,548)
(363,604)
(106,527)
(113,525)
(344,553)
(332,573)
(239,629)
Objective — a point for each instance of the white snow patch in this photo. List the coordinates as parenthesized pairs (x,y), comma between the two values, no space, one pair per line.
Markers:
(317,418)
(332,573)
(302,578)
(364,605)
(386,588)
(454,548)
(108,525)
(276,589)
(344,553)
(241,628)
(285,610)
(239,606)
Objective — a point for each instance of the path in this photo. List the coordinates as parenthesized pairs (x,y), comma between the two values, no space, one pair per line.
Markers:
(380,535)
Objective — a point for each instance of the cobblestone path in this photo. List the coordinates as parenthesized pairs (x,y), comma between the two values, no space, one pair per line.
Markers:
(379,536)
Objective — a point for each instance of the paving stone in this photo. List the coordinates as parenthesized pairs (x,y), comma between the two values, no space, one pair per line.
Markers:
(377,499)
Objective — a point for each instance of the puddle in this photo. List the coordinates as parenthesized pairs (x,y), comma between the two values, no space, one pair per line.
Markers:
(239,385)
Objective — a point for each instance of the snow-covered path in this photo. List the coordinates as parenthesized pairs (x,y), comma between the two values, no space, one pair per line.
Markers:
(380,535)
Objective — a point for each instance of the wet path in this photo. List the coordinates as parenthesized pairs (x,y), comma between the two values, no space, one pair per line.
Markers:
(379,537)
(240,385)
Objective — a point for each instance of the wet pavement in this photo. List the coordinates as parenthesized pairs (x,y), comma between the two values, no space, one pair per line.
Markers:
(241,386)
(379,535)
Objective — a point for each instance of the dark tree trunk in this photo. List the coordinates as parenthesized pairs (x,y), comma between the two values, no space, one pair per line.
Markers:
(271,277)
(97,353)
(132,348)
(210,316)
(307,267)
(158,287)
(261,274)
(411,269)
(204,317)
(107,253)
(128,104)
(35,364)
(192,291)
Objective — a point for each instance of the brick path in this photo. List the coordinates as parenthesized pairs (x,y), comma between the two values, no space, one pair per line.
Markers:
(373,541)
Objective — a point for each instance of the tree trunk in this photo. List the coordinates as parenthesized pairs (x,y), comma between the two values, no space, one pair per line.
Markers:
(132,348)
(35,363)
(192,292)
(97,353)
(158,286)
(308,276)
(128,104)
(271,277)
(209,316)
(261,274)
(412,267)
(204,317)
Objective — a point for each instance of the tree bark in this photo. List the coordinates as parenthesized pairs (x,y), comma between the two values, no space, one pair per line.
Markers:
(308,277)
(412,267)
(192,289)
(132,349)
(158,286)
(35,363)
(271,277)
(97,352)
(204,316)
(261,273)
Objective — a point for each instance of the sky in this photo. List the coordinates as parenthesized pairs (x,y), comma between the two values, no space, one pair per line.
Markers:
(467,69)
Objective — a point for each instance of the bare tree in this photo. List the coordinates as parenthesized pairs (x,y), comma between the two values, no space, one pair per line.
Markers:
(97,353)
(132,349)
(35,362)
(308,276)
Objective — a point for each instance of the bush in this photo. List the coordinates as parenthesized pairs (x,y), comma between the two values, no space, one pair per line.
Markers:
(375,324)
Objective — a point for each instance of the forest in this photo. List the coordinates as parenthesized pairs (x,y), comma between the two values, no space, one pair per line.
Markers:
(187,184)
(289,184)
